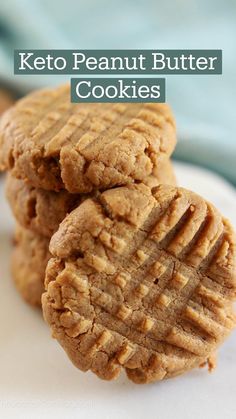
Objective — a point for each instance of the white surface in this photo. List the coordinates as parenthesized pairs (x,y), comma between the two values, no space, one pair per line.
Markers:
(37,380)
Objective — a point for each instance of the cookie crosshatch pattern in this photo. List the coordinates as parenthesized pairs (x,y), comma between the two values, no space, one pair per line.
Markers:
(140,274)
(142,280)
(53,144)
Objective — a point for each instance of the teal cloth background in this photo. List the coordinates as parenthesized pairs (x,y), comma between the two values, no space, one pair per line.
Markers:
(204,105)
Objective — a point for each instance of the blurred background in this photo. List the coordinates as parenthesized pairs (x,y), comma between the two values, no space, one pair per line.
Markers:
(204,105)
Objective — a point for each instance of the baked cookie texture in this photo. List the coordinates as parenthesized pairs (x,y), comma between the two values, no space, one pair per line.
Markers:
(36,209)
(54,144)
(143,280)
(42,211)
(28,264)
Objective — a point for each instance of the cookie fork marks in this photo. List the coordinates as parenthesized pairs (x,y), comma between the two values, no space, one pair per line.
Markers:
(173,324)
(54,144)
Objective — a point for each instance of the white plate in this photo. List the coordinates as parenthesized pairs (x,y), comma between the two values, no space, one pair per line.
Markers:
(37,379)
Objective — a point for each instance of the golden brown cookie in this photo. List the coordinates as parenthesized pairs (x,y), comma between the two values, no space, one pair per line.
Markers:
(164,173)
(29,259)
(142,280)
(36,209)
(54,144)
(42,211)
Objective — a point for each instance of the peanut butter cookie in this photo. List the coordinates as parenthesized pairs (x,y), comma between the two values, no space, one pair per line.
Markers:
(143,280)
(42,211)
(36,209)
(54,144)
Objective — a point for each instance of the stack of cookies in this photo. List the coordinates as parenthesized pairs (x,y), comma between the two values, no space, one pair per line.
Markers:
(58,153)
(135,272)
